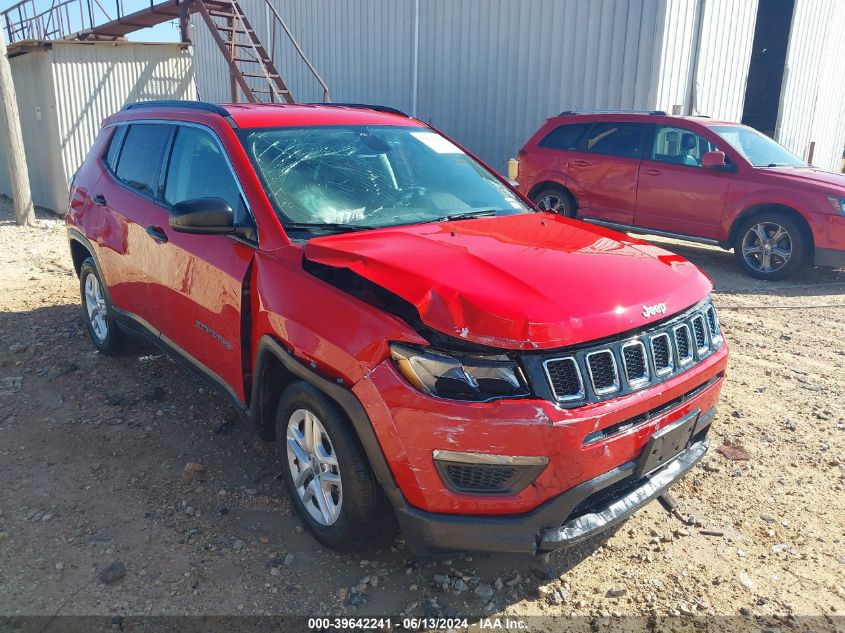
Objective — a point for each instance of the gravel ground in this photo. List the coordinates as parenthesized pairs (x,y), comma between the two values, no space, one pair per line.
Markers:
(93,452)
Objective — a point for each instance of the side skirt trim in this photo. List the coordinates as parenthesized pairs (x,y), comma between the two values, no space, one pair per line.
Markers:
(646,231)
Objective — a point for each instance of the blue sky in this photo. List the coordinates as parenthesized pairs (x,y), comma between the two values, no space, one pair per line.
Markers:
(164,32)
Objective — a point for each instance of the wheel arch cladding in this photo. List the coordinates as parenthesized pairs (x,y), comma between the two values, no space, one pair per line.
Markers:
(545,184)
(273,360)
(78,253)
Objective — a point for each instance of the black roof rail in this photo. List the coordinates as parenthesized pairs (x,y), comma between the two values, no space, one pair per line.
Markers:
(175,103)
(570,112)
(364,106)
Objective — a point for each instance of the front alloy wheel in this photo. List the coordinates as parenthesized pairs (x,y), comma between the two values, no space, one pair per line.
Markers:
(313,467)
(771,245)
(767,247)
(326,472)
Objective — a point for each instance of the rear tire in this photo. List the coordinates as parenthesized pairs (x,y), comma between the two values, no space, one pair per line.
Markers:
(97,310)
(326,472)
(556,199)
(771,246)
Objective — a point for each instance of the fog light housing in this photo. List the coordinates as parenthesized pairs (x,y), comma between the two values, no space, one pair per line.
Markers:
(485,474)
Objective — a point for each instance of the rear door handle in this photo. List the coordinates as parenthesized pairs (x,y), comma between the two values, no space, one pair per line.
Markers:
(653,172)
(157,233)
(99,200)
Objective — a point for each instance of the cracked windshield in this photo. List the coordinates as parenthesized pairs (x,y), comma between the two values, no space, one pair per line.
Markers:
(329,179)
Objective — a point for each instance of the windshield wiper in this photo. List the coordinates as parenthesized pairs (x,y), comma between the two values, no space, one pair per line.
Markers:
(465,215)
(327,226)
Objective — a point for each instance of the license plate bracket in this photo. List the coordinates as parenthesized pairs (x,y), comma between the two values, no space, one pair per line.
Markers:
(666,443)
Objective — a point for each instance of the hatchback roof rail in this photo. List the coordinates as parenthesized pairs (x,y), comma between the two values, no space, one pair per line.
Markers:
(363,106)
(175,103)
(569,112)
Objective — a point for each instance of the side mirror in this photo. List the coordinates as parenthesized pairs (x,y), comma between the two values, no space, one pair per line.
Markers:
(205,216)
(714,160)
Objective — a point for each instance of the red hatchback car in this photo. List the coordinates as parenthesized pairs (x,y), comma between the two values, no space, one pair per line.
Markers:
(379,304)
(690,178)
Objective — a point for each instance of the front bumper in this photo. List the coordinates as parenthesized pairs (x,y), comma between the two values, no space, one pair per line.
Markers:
(586,510)
(830,258)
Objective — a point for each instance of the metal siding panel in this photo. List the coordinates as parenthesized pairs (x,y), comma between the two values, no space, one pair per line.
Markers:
(808,42)
(91,81)
(727,35)
(36,106)
(76,85)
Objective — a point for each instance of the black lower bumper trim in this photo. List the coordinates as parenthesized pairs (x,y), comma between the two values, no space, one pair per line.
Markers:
(549,527)
(830,258)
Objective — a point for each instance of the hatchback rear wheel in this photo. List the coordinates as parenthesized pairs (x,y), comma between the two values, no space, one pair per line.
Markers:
(556,200)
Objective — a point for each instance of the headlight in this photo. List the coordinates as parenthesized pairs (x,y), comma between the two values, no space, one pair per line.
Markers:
(475,378)
(838,204)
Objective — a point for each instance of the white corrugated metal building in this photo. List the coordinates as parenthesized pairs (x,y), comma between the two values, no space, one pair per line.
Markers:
(490,71)
(64,91)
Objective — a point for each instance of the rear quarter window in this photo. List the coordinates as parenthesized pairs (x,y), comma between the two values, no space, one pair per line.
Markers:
(142,155)
(564,137)
(115,143)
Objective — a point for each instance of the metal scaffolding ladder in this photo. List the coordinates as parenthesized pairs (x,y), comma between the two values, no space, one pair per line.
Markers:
(249,63)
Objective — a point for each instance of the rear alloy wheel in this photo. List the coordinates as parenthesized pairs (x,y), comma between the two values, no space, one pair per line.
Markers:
(98,313)
(556,200)
(770,246)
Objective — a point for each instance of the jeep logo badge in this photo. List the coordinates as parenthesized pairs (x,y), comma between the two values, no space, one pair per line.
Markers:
(657,308)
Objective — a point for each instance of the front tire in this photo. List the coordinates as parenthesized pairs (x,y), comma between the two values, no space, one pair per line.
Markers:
(97,310)
(770,246)
(326,473)
(556,200)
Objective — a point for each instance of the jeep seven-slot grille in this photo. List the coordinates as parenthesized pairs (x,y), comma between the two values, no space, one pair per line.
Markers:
(644,358)
(565,378)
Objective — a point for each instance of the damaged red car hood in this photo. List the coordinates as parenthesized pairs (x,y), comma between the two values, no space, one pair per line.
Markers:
(530,281)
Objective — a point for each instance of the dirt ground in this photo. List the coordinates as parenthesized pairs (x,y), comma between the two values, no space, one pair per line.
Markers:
(92,452)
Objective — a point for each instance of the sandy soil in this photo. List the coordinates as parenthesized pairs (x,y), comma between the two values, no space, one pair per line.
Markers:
(92,452)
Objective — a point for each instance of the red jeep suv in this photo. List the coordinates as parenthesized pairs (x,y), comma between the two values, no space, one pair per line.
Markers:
(416,339)
(690,178)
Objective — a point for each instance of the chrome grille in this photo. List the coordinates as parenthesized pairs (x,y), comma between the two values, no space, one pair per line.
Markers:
(683,344)
(700,334)
(635,364)
(713,322)
(661,350)
(644,358)
(604,376)
(565,378)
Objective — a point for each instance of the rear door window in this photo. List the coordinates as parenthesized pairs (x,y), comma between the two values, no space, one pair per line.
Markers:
(141,156)
(616,139)
(565,137)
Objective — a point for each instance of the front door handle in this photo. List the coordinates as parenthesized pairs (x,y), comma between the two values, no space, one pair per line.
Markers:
(157,233)
(99,200)
(582,163)
(653,172)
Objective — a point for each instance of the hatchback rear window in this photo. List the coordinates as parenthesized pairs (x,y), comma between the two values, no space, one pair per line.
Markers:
(564,137)
(142,155)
